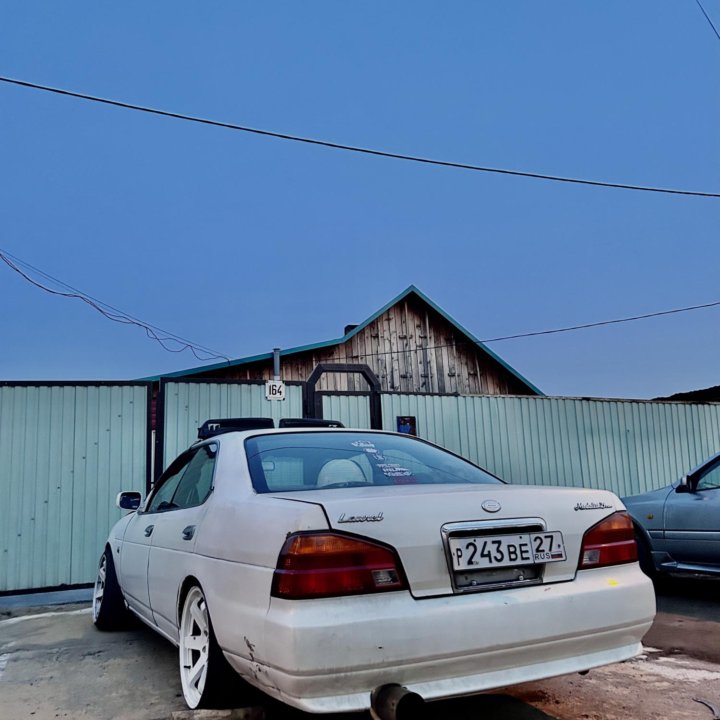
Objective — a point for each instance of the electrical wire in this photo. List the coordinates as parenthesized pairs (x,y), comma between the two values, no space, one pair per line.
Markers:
(120,316)
(163,337)
(571,328)
(617,321)
(707,17)
(355,148)
(170,336)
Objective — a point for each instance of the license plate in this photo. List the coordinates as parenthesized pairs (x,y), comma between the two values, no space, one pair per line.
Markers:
(493,551)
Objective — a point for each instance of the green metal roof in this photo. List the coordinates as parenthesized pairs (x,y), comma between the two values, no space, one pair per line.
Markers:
(411,290)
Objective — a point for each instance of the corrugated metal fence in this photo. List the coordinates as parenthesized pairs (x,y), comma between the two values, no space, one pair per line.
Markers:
(352,410)
(189,404)
(67,449)
(628,447)
(65,452)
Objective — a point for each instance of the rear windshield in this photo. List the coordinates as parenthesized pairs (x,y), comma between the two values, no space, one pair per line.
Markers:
(313,461)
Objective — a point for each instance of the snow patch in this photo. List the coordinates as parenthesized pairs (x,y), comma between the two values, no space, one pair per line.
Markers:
(681,670)
(3,663)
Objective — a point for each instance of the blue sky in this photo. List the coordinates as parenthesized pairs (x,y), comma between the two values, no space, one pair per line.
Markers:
(242,243)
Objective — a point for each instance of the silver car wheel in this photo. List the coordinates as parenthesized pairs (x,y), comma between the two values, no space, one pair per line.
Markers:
(194,646)
(99,591)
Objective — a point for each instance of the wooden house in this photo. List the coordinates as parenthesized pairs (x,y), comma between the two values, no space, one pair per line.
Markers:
(410,344)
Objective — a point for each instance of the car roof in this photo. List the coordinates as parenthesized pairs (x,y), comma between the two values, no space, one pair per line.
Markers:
(240,435)
(220,426)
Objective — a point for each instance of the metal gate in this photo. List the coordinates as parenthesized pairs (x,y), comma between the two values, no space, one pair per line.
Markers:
(66,450)
(184,406)
(351,409)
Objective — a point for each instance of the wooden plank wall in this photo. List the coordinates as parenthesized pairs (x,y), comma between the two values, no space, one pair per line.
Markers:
(410,347)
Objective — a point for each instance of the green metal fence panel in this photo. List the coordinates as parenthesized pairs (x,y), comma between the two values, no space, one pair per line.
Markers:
(353,411)
(67,450)
(189,404)
(628,447)
(65,453)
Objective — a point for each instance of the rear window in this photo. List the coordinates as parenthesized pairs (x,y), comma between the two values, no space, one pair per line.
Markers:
(323,460)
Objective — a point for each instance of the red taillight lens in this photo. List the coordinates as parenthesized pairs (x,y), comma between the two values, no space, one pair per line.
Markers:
(610,542)
(313,565)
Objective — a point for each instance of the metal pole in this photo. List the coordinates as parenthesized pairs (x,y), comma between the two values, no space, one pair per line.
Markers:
(276,363)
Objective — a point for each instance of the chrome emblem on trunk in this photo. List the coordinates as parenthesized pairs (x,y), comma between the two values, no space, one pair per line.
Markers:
(593,506)
(491,506)
(378,517)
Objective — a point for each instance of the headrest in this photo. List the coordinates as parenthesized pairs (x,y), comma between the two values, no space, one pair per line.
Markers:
(340,471)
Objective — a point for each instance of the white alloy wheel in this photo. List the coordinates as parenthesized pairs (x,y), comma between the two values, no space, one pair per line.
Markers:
(99,591)
(194,646)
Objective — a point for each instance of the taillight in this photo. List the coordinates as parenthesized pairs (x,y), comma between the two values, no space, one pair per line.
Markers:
(326,564)
(610,542)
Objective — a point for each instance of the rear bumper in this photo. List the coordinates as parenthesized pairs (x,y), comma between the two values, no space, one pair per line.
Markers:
(328,655)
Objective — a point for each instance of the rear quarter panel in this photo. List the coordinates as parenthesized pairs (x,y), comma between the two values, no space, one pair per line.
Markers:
(236,552)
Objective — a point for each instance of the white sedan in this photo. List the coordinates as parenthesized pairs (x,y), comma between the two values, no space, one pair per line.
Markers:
(341,570)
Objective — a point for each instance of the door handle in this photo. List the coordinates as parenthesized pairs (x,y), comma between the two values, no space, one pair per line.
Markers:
(148,530)
(188,532)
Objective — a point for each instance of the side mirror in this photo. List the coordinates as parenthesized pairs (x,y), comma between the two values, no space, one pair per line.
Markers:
(128,500)
(684,486)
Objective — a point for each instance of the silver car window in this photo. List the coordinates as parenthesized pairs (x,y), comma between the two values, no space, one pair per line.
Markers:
(162,498)
(196,481)
(282,462)
(710,479)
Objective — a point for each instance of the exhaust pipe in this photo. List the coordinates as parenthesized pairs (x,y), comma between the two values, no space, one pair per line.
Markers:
(395,702)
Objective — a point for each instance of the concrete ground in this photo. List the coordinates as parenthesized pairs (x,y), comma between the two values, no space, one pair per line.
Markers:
(54,664)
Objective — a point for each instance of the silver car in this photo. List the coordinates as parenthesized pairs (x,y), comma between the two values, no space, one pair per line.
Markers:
(678,527)
(339,570)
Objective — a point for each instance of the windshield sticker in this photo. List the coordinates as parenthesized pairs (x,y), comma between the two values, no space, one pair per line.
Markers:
(394,470)
(363,444)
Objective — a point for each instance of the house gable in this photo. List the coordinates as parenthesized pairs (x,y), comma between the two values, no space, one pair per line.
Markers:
(411,344)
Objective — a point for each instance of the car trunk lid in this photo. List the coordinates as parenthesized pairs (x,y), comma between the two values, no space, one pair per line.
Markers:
(428,524)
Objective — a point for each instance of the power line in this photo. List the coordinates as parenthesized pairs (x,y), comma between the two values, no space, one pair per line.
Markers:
(125,315)
(707,17)
(605,322)
(355,148)
(116,315)
(570,328)
(163,337)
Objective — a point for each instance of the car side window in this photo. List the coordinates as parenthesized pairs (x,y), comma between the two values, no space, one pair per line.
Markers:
(710,479)
(196,482)
(162,499)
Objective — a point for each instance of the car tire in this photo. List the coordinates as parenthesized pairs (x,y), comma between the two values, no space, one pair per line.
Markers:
(645,556)
(108,606)
(206,676)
